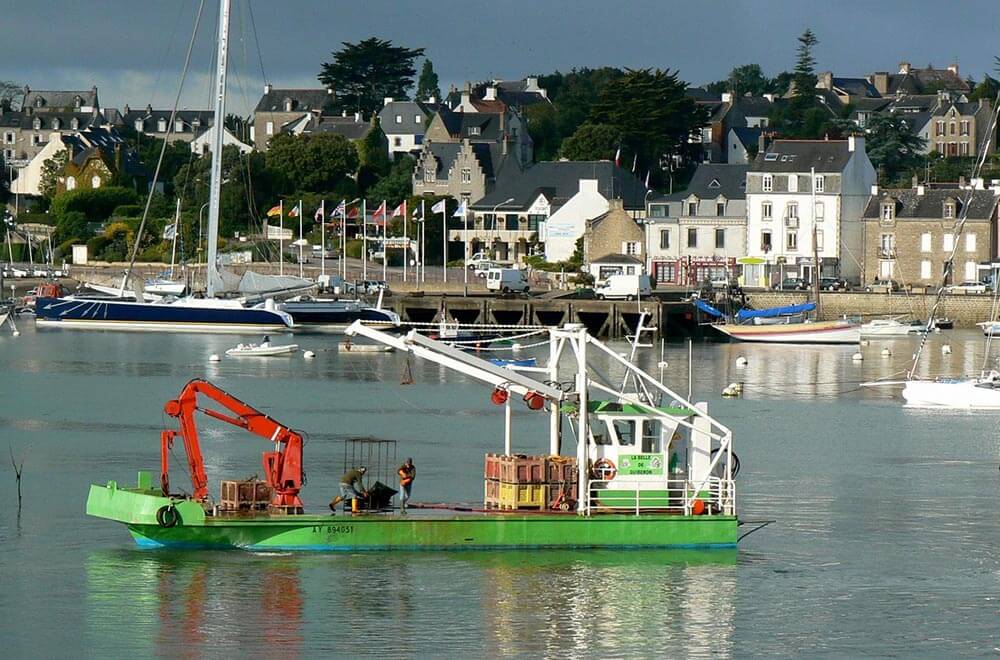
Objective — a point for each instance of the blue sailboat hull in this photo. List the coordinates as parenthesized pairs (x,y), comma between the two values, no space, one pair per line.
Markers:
(173,317)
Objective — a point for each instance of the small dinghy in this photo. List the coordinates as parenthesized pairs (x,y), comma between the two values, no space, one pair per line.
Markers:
(500,362)
(262,350)
(348,346)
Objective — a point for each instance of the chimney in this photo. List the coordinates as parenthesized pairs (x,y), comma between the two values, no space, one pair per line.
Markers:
(904,67)
(432,99)
(503,147)
(881,82)
(961,181)
(491,93)
(466,99)
(769,97)
(69,149)
(764,141)
(855,142)
(387,100)
(825,80)
(953,68)
(874,190)
(616,204)
(531,84)
(267,88)
(727,97)
(149,109)
(588,185)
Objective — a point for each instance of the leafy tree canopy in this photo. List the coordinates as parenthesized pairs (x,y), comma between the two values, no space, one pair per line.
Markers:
(11,93)
(804,75)
(396,185)
(750,79)
(314,163)
(362,74)
(95,203)
(592,142)
(427,84)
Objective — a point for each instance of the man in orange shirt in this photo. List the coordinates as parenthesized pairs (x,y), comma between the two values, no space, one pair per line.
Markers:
(407,473)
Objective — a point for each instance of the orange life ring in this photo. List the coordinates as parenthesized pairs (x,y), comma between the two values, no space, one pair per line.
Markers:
(603,469)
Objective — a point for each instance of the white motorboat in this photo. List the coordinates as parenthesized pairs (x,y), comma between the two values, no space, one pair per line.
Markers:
(892,328)
(266,349)
(982,393)
(990,328)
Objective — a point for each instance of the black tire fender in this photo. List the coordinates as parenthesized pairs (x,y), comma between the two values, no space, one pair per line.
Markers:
(167,516)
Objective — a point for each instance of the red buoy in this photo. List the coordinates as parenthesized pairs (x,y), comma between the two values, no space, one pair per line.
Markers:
(499,396)
(534,400)
(698,507)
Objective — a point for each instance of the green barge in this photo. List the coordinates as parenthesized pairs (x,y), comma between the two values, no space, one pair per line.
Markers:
(650,470)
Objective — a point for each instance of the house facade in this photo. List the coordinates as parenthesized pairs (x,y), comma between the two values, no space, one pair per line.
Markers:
(959,129)
(25,132)
(911,233)
(465,171)
(502,127)
(798,190)
(187,124)
(700,233)
(612,235)
(404,124)
(279,109)
(515,219)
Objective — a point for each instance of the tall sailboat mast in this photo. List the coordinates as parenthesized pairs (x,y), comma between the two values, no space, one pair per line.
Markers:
(215,190)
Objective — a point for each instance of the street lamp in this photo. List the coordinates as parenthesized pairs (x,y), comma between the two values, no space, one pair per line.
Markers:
(496,223)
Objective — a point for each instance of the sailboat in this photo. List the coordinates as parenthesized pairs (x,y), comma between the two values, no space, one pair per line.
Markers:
(191,313)
(783,325)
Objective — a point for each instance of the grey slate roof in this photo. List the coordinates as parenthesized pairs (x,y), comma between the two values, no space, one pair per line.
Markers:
(151,118)
(859,87)
(748,136)
(58,100)
(490,157)
(800,155)
(458,124)
(702,95)
(302,100)
(713,179)
(754,106)
(53,120)
(930,205)
(559,180)
(89,141)
(613,258)
(407,110)
(348,127)
(917,80)
(962,108)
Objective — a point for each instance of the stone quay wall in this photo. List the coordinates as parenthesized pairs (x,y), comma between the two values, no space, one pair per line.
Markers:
(965,309)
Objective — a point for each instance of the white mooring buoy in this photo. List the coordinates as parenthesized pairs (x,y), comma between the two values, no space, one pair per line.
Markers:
(858,357)
(741,361)
(864,342)
(16,333)
(946,349)
(308,354)
(214,357)
(516,347)
(662,364)
(886,352)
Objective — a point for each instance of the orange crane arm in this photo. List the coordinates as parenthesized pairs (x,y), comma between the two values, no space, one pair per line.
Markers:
(282,466)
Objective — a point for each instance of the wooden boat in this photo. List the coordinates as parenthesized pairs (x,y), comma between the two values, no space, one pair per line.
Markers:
(262,350)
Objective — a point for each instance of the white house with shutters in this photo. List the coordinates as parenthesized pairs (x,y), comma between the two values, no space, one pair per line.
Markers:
(798,190)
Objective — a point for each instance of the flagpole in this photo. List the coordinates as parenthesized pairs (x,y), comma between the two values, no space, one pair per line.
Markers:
(444,238)
(281,237)
(385,249)
(423,233)
(364,239)
(322,238)
(465,247)
(343,239)
(300,239)
(406,242)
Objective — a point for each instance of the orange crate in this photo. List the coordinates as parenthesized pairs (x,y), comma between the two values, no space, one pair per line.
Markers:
(492,467)
(521,469)
(244,495)
(491,494)
(561,469)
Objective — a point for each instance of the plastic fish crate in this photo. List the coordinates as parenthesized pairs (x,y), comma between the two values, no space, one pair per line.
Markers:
(522,469)
(560,469)
(523,496)
(492,467)
(244,495)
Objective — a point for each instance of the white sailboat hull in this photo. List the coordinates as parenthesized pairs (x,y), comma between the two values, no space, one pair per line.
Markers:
(990,328)
(969,394)
(881,328)
(821,332)
(262,351)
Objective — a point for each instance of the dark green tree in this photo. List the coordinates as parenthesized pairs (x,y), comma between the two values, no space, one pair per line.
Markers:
(312,163)
(51,168)
(373,158)
(396,185)
(745,79)
(11,94)
(892,145)
(427,84)
(804,75)
(654,114)
(592,142)
(240,201)
(987,89)
(362,74)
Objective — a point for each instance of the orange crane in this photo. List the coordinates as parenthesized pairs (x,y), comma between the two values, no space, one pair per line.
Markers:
(282,466)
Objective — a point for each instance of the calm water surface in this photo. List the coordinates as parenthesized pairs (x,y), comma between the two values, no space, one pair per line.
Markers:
(885,542)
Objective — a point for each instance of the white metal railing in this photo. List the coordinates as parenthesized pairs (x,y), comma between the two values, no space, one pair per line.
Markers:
(681,494)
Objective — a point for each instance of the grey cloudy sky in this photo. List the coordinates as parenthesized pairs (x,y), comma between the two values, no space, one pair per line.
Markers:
(133,50)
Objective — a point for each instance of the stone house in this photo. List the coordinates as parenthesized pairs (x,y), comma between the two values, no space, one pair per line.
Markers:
(547,206)
(188,124)
(910,233)
(614,233)
(464,170)
(404,124)
(958,129)
(25,132)
(800,189)
(910,80)
(279,109)
(502,126)
(99,157)
(700,233)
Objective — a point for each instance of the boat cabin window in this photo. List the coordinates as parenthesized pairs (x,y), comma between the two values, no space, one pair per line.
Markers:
(601,439)
(651,437)
(625,430)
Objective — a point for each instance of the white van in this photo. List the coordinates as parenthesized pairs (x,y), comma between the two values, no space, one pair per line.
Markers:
(628,287)
(506,280)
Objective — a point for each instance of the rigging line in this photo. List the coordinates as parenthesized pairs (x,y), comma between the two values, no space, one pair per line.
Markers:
(256,41)
(166,138)
(166,53)
(959,227)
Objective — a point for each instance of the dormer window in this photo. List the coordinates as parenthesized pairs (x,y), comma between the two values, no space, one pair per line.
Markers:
(888,211)
(139,125)
(36,123)
(178,125)
(767,184)
(161,125)
(77,102)
(418,119)
(692,207)
(56,124)
(399,119)
(196,124)
(288,105)
(74,123)
(949,209)
(474,130)
(39,102)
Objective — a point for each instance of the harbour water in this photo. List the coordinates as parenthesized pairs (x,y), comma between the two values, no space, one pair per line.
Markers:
(884,542)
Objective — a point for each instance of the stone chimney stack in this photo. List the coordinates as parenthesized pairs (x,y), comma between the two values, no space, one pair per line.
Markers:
(855,143)
(953,68)
(904,67)
(491,93)
(880,80)
(825,80)
(267,88)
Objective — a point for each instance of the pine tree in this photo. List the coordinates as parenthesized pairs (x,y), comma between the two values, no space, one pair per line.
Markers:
(427,84)
(804,76)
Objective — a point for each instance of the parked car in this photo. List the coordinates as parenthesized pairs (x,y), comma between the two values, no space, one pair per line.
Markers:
(883,286)
(628,287)
(481,268)
(969,286)
(833,284)
(371,287)
(723,282)
(792,284)
(507,280)
(477,259)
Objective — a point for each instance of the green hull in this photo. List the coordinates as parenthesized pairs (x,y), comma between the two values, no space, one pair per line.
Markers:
(420,530)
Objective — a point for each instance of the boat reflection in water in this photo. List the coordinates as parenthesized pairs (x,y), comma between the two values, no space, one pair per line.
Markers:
(193,604)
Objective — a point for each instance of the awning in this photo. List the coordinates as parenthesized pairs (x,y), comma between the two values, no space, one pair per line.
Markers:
(745,314)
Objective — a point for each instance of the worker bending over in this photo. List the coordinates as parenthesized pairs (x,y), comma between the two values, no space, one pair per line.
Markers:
(351,488)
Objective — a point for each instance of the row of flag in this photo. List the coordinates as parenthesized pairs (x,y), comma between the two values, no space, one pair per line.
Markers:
(378,216)
(635,162)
